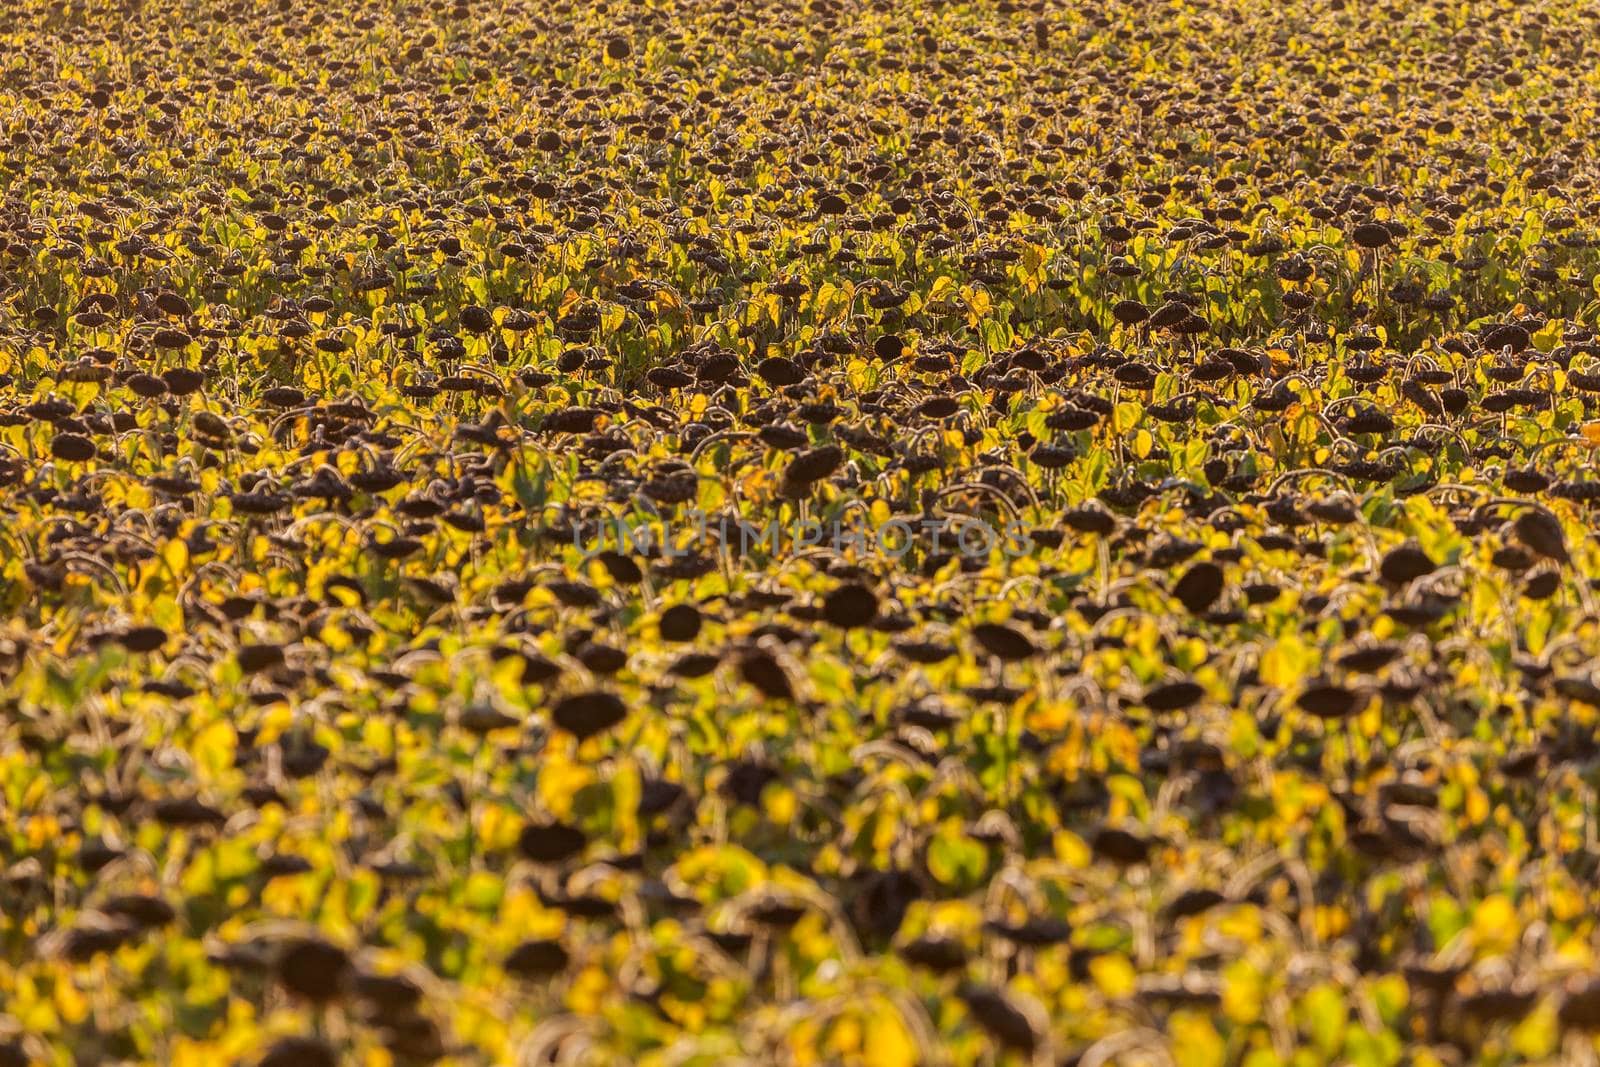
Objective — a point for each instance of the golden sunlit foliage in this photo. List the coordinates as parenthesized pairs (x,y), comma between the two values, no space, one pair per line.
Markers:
(807,532)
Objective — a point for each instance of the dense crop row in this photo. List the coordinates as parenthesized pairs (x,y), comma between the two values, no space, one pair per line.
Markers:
(384,677)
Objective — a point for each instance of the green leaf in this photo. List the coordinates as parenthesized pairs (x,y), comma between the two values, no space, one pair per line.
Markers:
(956,860)
(1325,1014)
(1126,417)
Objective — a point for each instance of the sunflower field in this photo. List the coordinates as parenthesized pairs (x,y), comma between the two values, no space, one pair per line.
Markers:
(799,532)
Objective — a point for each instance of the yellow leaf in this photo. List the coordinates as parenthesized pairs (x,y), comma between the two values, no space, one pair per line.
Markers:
(1285,663)
(559,781)
(1494,924)
(1537,1035)
(1071,849)
(978,303)
(175,554)
(1242,993)
(780,803)
(1477,806)
(274,722)
(588,991)
(888,1042)
(213,747)
(1195,1042)
(1114,975)
(846,1036)
(71,1005)
(497,828)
